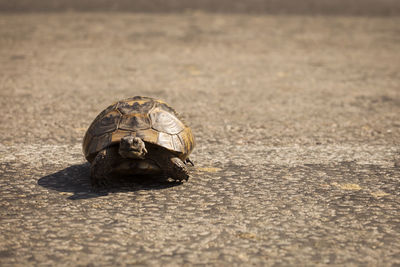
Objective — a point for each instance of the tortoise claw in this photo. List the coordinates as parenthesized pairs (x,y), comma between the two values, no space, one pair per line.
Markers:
(189,161)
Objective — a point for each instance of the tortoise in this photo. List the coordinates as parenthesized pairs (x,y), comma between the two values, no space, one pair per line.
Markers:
(138,136)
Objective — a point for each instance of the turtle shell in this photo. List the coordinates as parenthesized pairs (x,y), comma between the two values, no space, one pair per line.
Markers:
(152,120)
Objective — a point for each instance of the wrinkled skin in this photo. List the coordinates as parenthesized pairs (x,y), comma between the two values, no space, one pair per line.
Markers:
(132,147)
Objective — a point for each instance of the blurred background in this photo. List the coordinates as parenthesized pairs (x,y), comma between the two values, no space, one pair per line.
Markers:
(326,7)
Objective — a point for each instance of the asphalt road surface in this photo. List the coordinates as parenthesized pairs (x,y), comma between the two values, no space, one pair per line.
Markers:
(296,119)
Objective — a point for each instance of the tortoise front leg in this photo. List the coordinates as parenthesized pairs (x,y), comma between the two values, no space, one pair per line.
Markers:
(178,170)
(101,168)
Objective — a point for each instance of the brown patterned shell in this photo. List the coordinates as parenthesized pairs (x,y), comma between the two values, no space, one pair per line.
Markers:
(150,119)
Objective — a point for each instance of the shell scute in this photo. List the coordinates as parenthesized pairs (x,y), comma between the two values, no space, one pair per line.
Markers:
(165,140)
(134,122)
(118,134)
(97,143)
(187,139)
(178,145)
(148,135)
(106,123)
(135,106)
(165,122)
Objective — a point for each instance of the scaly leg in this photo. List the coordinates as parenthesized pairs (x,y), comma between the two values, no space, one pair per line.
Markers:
(178,169)
(101,168)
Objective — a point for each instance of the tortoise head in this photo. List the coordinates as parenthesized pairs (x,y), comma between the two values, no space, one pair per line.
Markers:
(132,147)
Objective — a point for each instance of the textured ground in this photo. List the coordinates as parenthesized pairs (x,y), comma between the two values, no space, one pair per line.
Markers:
(297,126)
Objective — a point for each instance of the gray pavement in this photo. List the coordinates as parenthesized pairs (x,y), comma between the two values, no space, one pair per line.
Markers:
(296,119)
